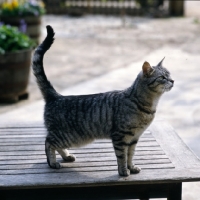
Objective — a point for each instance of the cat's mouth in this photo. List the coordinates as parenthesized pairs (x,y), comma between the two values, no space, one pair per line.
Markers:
(169,87)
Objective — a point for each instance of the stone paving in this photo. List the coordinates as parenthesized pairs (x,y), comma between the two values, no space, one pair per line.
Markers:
(97,54)
(91,46)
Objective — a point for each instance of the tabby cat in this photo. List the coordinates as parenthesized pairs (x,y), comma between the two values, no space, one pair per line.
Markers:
(121,116)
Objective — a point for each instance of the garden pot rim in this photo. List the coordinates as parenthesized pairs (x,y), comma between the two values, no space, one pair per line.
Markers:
(17,52)
(15,20)
(20,17)
(18,56)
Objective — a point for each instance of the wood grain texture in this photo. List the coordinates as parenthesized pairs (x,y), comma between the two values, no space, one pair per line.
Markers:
(161,154)
(178,152)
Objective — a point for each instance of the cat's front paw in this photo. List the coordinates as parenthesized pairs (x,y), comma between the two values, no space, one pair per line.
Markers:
(124,172)
(134,169)
(55,165)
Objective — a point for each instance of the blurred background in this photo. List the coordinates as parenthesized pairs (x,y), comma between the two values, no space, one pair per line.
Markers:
(101,45)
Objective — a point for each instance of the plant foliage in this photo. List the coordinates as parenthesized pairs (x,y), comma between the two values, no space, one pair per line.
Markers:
(12,40)
(22,8)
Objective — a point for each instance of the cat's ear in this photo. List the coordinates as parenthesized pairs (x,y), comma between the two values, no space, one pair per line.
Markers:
(147,69)
(160,63)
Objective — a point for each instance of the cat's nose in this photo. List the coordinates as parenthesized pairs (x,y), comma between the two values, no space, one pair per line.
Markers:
(172,81)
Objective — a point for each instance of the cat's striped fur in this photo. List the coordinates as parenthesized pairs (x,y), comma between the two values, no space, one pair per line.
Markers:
(121,116)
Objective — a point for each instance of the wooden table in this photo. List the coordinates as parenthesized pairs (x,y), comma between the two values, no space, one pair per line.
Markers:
(165,160)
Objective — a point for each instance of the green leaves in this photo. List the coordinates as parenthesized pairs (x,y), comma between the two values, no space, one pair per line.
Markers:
(23,8)
(12,40)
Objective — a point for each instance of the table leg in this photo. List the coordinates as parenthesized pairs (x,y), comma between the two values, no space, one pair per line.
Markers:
(175,192)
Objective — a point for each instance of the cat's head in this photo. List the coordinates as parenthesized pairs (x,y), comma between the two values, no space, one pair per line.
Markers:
(157,78)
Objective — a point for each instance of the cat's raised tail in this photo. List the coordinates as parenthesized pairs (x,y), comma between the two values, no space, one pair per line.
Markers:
(45,86)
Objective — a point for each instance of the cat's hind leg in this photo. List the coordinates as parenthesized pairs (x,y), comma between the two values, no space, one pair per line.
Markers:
(65,155)
(51,156)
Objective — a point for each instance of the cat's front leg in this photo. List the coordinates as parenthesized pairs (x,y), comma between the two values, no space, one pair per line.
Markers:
(131,149)
(121,154)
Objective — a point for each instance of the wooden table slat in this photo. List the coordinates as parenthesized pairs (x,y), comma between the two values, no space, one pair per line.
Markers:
(106,156)
(39,140)
(174,147)
(93,145)
(79,163)
(81,169)
(82,159)
(79,153)
(87,179)
(41,147)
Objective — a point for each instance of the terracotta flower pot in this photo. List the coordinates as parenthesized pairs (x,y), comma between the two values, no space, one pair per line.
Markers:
(14,75)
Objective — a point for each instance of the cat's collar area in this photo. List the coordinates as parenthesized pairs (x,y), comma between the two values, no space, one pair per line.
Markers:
(143,109)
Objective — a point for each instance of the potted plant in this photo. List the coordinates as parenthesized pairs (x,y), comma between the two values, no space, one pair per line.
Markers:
(24,13)
(15,59)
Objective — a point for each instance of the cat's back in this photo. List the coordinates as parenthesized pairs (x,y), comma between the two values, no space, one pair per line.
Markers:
(84,102)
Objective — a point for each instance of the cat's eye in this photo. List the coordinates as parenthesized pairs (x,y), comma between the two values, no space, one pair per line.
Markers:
(160,78)
(163,77)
